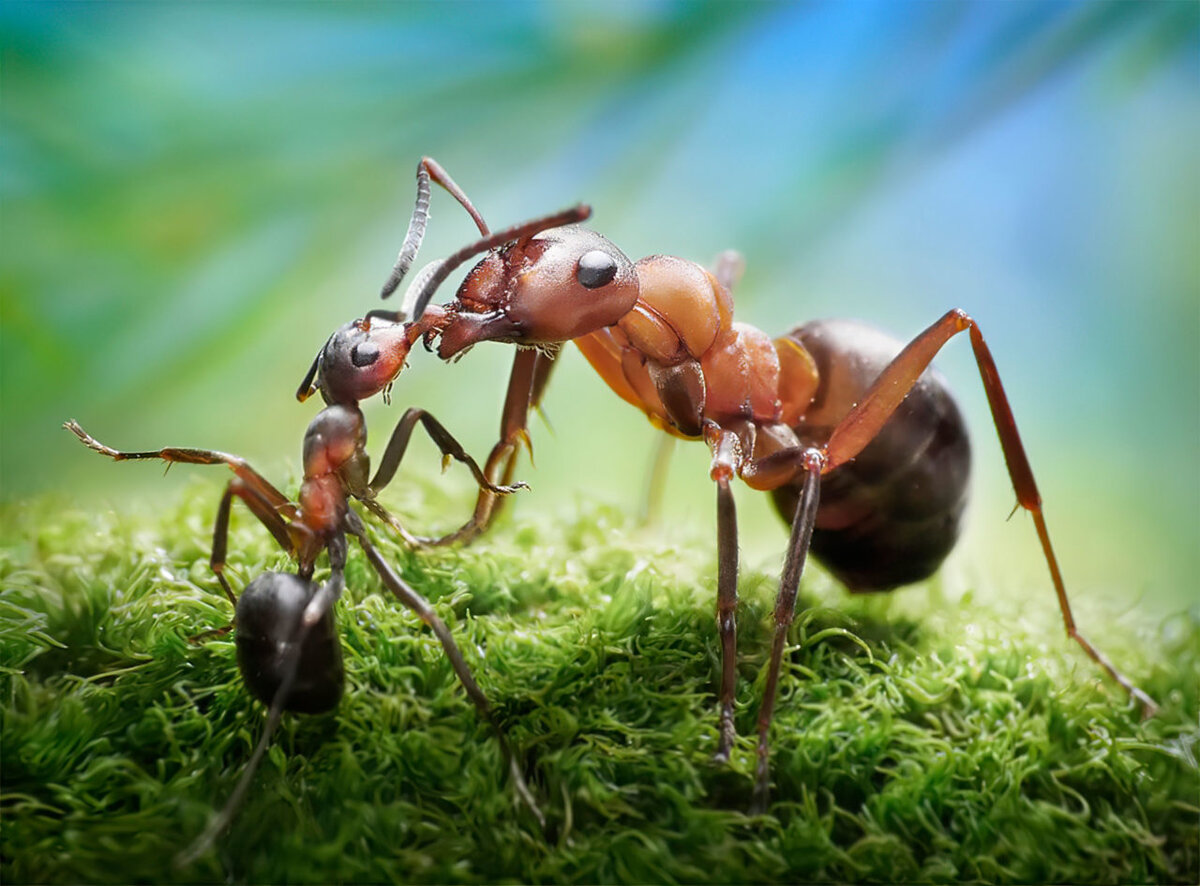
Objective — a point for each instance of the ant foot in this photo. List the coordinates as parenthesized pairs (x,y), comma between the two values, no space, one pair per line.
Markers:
(507,490)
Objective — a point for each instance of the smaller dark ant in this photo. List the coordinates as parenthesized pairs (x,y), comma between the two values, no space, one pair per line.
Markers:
(286,635)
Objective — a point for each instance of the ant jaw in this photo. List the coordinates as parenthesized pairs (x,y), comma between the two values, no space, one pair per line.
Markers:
(465,330)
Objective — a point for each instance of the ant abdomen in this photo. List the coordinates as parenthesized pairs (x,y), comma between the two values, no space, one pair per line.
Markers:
(267,621)
(889,517)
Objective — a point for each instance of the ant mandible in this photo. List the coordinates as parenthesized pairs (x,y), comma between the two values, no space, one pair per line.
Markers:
(287,645)
(860,444)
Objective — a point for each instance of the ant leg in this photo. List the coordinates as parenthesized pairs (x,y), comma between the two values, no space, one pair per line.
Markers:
(220,544)
(725,448)
(186,455)
(785,611)
(728,268)
(266,502)
(445,441)
(262,508)
(542,367)
(866,419)
(386,516)
(656,479)
(322,601)
(216,562)
(425,612)
(418,604)
(515,420)
(210,634)
(450,448)
(526,384)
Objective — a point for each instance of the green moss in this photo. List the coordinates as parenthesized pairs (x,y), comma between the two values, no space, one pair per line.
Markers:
(950,742)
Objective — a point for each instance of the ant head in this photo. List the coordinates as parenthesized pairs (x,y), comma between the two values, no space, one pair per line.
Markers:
(546,289)
(359,360)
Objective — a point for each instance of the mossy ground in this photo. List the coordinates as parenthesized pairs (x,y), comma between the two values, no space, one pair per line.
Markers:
(917,738)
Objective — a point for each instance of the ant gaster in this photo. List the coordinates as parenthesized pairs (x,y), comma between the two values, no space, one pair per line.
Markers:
(288,650)
(859,442)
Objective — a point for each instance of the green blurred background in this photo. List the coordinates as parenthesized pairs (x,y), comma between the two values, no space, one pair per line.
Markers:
(195,196)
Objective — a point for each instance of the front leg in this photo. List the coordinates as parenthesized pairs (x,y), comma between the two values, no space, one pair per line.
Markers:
(726,450)
(526,384)
(514,421)
(394,454)
(734,452)
(272,508)
(192,456)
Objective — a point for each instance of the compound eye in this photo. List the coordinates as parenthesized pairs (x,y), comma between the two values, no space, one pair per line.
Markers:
(364,354)
(596,268)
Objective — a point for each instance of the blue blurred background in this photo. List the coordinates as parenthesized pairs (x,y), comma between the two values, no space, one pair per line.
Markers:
(195,196)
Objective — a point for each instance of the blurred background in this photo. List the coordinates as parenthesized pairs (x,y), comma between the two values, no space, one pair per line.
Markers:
(195,196)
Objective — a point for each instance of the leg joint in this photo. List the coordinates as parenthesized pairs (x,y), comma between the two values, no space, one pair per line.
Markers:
(813,460)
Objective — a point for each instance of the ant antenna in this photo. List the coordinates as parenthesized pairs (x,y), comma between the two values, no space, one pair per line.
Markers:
(571,216)
(308,387)
(428,168)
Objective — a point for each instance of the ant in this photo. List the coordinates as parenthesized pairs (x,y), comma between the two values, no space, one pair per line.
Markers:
(287,646)
(857,439)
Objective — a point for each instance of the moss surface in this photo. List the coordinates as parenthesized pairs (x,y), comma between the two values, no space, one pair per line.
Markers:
(916,739)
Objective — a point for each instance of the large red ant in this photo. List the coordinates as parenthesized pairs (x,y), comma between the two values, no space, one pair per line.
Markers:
(288,650)
(860,444)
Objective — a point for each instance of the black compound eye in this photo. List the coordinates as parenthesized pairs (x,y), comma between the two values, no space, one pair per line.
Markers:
(364,353)
(596,268)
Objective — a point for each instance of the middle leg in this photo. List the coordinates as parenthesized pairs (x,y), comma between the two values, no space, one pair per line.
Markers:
(811,462)
(450,448)
(419,605)
(527,383)
(726,450)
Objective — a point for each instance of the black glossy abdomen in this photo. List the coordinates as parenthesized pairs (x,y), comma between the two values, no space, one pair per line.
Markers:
(268,615)
(890,516)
